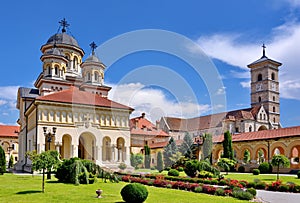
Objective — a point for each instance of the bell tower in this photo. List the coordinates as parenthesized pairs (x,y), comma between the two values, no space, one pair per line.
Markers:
(265,87)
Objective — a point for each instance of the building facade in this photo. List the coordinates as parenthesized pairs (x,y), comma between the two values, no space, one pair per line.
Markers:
(68,110)
(262,115)
(9,141)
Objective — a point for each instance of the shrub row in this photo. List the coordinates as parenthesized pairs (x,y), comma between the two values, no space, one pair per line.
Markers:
(194,187)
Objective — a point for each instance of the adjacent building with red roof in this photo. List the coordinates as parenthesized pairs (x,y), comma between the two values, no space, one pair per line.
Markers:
(9,141)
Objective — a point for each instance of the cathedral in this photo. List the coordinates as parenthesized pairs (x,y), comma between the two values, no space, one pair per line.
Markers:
(68,110)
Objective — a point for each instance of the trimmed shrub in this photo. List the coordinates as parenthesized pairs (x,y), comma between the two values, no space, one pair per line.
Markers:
(152,168)
(241,169)
(180,169)
(173,172)
(168,168)
(256,171)
(134,193)
(205,174)
(283,188)
(261,185)
(122,166)
(251,184)
(265,167)
(252,191)
(191,168)
(2,161)
(243,195)
(214,182)
(220,192)
(298,174)
(198,189)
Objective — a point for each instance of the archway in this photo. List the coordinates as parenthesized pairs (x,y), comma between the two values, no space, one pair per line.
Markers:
(262,128)
(261,155)
(66,151)
(121,149)
(295,154)
(106,149)
(86,148)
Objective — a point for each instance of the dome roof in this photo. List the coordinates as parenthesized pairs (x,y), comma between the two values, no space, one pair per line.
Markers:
(93,58)
(54,51)
(62,38)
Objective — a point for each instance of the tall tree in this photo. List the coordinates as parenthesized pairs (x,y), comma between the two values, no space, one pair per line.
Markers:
(43,161)
(136,159)
(207,147)
(227,146)
(280,160)
(2,161)
(147,156)
(11,161)
(169,150)
(246,156)
(160,162)
(187,147)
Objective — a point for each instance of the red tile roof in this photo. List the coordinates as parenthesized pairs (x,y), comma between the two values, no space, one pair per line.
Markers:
(75,96)
(262,135)
(163,144)
(9,131)
(142,126)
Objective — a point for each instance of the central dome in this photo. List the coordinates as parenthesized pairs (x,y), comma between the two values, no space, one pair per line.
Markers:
(62,38)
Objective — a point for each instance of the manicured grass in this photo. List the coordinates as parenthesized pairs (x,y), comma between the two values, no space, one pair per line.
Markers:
(27,188)
(268,178)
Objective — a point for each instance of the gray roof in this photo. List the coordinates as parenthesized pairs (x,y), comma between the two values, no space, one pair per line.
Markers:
(264,58)
(62,38)
(54,51)
(28,92)
(93,58)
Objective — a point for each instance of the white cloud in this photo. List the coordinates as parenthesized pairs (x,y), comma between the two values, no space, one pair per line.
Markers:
(154,102)
(221,91)
(2,102)
(246,84)
(282,47)
(9,92)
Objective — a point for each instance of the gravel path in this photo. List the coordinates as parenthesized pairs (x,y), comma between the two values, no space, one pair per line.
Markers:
(277,197)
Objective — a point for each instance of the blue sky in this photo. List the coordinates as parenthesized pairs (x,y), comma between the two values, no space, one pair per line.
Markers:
(229,32)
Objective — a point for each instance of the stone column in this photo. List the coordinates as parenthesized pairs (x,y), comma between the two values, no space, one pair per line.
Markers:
(127,155)
(74,150)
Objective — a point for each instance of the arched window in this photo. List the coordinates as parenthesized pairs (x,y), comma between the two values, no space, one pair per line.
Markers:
(274,109)
(56,70)
(273,76)
(259,77)
(264,116)
(68,58)
(259,99)
(260,116)
(88,76)
(96,77)
(274,120)
(250,128)
(273,98)
(75,62)
(49,70)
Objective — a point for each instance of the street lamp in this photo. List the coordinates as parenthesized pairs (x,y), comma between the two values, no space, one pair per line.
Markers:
(48,135)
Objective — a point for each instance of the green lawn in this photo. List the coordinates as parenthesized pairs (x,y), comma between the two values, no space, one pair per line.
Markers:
(268,178)
(27,188)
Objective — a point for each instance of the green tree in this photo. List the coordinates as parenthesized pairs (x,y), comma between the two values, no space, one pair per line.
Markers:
(2,161)
(160,162)
(246,156)
(11,161)
(226,164)
(280,160)
(169,150)
(227,146)
(147,156)
(260,156)
(207,147)
(43,161)
(136,159)
(187,147)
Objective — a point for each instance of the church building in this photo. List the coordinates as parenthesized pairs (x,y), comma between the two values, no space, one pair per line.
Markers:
(264,113)
(68,110)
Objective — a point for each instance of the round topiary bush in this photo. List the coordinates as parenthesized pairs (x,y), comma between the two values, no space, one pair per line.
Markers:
(241,169)
(180,169)
(256,171)
(173,172)
(134,193)
(265,168)
(252,191)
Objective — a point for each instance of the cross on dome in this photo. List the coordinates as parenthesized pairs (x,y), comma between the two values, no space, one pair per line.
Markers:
(93,47)
(64,24)
(264,50)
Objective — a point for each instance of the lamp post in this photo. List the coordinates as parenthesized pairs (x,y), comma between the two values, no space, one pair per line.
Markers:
(48,135)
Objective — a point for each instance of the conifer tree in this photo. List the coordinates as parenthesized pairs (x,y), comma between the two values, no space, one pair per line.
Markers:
(187,147)
(207,147)
(227,146)
(147,156)
(160,162)
(169,151)
(2,161)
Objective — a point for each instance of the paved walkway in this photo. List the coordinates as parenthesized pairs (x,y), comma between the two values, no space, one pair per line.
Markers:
(278,197)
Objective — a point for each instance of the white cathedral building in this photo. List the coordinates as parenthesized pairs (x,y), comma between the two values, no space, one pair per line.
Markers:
(68,110)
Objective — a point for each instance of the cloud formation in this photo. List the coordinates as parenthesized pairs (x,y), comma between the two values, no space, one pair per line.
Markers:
(281,47)
(154,102)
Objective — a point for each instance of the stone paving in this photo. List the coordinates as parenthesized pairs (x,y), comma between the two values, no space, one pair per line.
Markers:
(277,197)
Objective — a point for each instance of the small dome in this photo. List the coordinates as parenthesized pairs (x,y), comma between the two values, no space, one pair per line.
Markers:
(93,58)
(62,38)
